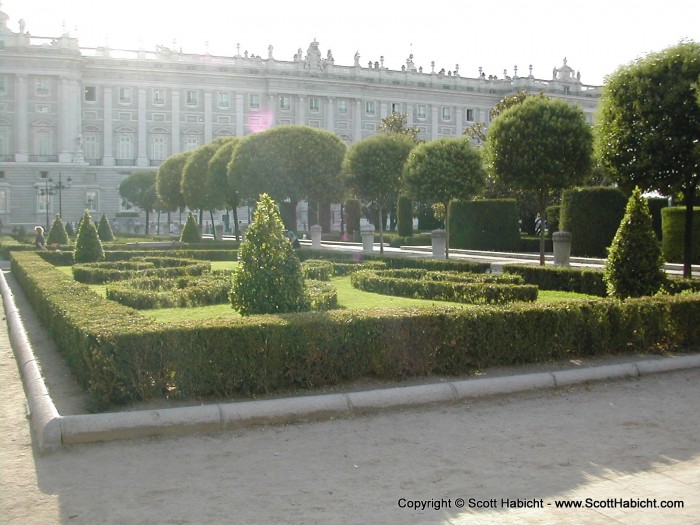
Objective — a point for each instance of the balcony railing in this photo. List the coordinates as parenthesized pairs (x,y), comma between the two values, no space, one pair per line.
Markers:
(126,162)
(94,162)
(43,158)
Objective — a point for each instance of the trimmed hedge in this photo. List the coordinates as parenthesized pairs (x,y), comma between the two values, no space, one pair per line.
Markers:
(317,270)
(485,225)
(445,286)
(564,279)
(98,273)
(673,224)
(404,212)
(592,216)
(178,292)
(132,357)
(552,215)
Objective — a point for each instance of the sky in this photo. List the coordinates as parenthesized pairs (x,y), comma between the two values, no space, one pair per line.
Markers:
(595,36)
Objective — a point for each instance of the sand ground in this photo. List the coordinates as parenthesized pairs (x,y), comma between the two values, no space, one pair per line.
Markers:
(628,440)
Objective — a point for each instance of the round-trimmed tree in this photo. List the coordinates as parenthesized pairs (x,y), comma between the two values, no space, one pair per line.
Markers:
(88,247)
(269,279)
(635,265)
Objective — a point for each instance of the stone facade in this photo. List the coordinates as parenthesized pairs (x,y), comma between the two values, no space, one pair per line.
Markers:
(92,116)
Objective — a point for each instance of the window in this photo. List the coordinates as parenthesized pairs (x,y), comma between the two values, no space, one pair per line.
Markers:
(3,201)
(224,99)
(313,104)
(285,103)
(158,148)
(395,107)
(125,95)
(567,90)
(342,106)
(158,96)
(254,101)
(191,143)
(42,86)
(43,144)
(90,147)
(126,146)
(446,113)
(421,111)
(470,115)
(369,107)
(43,201)
(192,97)
(90,94)
(42,109)
(91,202)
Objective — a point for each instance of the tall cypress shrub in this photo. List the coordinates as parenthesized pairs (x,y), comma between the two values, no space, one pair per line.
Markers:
(88,247)
(104,230)
(191,233)
(269,278)
(57,234)
(404,207)
(592,216)
(635,265)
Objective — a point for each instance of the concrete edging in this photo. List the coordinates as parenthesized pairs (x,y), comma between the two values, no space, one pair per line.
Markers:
(51,430)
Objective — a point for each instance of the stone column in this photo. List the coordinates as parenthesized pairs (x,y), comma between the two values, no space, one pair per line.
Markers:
(383,111)
(330,114)
(434,123)
(459,114)
(301,110)
(21,128)
(175,116)
(107,133)
(208,133)
(439,241)
(357,121)
(561,243)
(142,148)
(240,115)
(66,130)
(367,238)
(316,231)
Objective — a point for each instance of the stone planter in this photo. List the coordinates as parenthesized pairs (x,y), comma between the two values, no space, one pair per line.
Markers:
(316,236)
(367,239)
(561,244)
(439,241)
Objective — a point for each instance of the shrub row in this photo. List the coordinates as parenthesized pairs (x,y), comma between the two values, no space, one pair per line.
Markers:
(102,272)
(462,288)
(180,292)
(564,279)
(132,357)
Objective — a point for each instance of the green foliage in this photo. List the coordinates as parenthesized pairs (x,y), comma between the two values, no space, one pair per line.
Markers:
(88,247)
(353,214)
(57,233)
(269,278)
(656,204)
(69,230)
(169,181)
(398,123)
(171,292)
(104,230)
(553,216)
(649,124)
(673,225)
(131,357)
(592,216)
(404,210)
(317,270)
(564,279)
(445,286)
(138,267)
(199,188)
(635,266)
(485,225)
(540,145)
(191,233)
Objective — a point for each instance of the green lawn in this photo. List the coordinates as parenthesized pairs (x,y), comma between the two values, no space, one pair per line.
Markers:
(348,298)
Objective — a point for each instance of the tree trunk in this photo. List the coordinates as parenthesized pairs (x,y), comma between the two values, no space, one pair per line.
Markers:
(688,237)
(147,221)
(543,212)
(213,228)
(235,224)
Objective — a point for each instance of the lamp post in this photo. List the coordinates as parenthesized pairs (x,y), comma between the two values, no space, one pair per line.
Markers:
(48,189)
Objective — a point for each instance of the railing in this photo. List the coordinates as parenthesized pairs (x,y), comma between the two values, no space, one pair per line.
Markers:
(125,162)
(7,158)
(94,162)
(43,158)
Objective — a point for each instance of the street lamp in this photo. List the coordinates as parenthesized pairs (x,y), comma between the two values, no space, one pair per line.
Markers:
(48,189)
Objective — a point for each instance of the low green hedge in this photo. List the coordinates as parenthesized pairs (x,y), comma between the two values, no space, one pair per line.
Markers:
(179,292)
(445,286)
(318,270)
(322,295)
(132,357)
(102,272)
(565,279)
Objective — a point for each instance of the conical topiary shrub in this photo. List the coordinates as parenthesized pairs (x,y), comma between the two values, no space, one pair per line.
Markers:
(57,234)
(88,247)
(269,278)
(191,233)
(104,230)
(635,264)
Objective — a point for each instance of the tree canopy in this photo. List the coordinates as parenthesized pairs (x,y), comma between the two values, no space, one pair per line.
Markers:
(139,189)
(439,171)
(542,145)
(398,123)
(373,168)
(649,127)
(169,181)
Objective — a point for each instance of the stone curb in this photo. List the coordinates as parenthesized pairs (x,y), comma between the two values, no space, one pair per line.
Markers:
(51,430)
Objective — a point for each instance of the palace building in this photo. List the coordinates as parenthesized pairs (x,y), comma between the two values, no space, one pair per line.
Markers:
(74,121)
